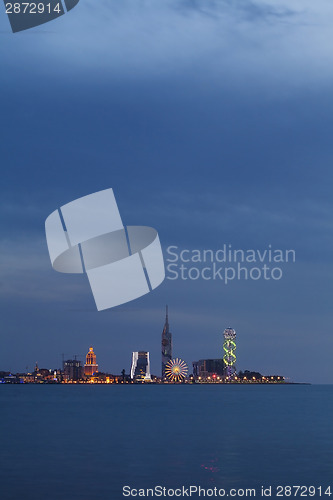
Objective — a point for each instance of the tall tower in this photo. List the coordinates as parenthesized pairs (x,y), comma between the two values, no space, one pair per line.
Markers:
(166,344)
(140,368)
(91,366)
(229,347)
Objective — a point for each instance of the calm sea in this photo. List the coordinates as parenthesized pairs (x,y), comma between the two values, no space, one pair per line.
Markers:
(87,442)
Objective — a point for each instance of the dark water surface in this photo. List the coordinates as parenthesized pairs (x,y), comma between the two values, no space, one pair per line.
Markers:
(87,442)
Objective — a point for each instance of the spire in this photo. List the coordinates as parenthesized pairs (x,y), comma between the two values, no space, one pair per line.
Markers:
(166,342)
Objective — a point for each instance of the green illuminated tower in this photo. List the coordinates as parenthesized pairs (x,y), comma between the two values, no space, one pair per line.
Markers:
(229,347)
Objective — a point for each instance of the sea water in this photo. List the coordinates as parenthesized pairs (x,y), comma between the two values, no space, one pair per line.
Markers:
(68,442)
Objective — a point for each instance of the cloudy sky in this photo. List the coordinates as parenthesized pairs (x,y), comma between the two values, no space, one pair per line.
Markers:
(212,121)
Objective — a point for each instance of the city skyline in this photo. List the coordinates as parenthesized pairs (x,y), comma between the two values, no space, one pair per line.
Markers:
(219,369)
(225,353)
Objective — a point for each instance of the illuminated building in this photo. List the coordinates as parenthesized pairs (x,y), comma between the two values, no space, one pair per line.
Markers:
(91,367)
(166,344)
(140,368)
(41,374)
(205,368)
(8,378)
(73,369)
(229,347)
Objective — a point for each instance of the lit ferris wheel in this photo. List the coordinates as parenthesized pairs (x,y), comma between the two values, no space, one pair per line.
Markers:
(176,370)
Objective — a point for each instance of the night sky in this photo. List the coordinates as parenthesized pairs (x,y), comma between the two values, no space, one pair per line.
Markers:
(213,124)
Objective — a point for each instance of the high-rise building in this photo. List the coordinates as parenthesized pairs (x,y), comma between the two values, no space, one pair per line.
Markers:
(91,367)
(205,368)
(140,368)
(73,369)
(229,347)
(166,344)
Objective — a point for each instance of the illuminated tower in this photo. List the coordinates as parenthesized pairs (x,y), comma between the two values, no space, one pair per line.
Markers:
(229,347)
(140,368)
(166,344)
(91,366)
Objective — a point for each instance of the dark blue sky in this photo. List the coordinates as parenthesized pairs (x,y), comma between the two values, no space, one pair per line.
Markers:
(212,124)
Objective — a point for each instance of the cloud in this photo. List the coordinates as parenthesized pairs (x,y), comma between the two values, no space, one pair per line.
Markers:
(194,145)
(243,9)
(266,41)
(26,273)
